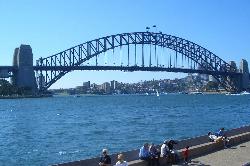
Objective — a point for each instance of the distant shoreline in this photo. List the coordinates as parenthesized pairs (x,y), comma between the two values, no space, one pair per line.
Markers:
(140,94)
(25,96)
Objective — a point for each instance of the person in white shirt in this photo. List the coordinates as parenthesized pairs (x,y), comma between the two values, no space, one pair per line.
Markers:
(212,137)
(121,161)
(164,149)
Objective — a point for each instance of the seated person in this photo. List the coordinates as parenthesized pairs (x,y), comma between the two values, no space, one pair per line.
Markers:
(105,160)
(164,149)
(221,133)
(219,136)
(213,137)
(173,153)
(144,154)
(121,161)
(155,154)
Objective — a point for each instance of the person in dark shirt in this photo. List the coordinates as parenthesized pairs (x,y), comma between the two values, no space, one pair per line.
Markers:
(171,144)
(105,160)
(155,154)
(173,156)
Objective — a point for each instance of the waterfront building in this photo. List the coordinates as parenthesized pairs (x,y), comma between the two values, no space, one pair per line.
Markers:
(106,87)
(86,84)
(113,85)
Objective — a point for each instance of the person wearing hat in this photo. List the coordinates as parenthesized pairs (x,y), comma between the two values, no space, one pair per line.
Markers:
(121,161)
(105,160)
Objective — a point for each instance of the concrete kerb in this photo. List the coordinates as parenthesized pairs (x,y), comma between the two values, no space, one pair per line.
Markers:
(203,149)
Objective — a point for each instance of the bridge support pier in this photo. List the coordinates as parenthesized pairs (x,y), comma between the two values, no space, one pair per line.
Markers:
(240,82)
(24,76)
(245,80)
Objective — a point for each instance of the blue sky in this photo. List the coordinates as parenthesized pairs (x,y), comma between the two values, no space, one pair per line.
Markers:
(221,26)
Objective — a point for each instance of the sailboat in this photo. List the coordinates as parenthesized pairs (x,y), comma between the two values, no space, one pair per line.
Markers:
(157,93)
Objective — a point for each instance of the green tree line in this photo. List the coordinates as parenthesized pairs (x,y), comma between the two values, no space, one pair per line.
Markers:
(7,89)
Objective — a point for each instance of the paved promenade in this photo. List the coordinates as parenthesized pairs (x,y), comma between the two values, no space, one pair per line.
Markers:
(233,156)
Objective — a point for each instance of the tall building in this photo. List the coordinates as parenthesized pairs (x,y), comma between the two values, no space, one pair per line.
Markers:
(106,87)
(86,84)
(85,87)
(113,85)
(234,66)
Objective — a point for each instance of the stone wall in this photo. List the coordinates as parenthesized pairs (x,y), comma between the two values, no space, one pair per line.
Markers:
(198,146)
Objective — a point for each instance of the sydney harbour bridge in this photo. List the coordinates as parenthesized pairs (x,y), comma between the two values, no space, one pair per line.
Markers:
(137,51)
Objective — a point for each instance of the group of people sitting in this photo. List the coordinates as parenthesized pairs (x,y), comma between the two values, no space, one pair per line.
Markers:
(218,137)
(152,153)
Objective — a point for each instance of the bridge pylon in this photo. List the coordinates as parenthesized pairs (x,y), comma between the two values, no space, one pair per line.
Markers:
(240,82)
(24,75)
(245,77)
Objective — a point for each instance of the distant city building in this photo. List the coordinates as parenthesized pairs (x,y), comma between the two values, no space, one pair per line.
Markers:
(93,86)
(79,89)
(234,66)
(203,77)
(86,84)
(113,85)
(106,87)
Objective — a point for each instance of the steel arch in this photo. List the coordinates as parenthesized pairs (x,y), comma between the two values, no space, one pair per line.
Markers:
(77,55)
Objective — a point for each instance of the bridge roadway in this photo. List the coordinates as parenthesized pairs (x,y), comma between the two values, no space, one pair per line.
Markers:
(122,68)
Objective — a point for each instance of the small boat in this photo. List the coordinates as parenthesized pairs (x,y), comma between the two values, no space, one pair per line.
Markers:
(245,93)
(233,94)
(77,96)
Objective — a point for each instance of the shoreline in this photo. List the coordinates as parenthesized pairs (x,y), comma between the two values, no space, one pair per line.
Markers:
(26,96)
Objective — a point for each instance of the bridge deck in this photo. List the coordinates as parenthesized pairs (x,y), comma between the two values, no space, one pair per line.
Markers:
(122,68)
(131,69)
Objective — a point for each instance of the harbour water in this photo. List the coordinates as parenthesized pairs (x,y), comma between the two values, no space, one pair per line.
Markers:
(43,131)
